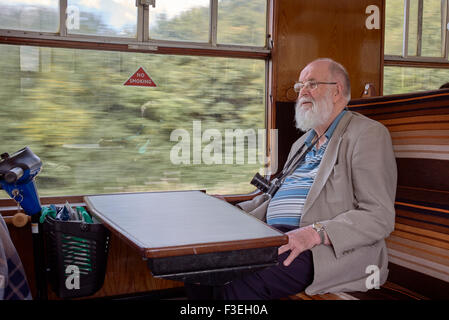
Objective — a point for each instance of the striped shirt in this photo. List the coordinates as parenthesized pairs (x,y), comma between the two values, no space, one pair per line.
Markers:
(287,205)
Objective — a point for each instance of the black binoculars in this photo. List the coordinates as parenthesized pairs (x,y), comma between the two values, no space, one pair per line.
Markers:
(266,186)
(271,187)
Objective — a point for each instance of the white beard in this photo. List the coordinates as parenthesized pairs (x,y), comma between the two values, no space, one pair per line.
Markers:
(308,118)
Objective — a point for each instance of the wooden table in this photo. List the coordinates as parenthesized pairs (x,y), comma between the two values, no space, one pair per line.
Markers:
(188,235)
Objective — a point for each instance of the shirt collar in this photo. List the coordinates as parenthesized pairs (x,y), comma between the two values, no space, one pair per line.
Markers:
(329,131)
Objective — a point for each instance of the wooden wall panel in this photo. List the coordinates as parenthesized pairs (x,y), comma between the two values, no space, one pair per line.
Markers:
(306,30)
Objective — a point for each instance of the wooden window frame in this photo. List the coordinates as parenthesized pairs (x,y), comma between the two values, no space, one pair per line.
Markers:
(404,60)
(143,44)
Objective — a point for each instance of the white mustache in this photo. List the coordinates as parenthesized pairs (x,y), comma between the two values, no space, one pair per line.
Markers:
(306,100)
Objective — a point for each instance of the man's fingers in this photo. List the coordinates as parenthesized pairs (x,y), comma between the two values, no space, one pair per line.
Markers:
(291,257)
(283,249)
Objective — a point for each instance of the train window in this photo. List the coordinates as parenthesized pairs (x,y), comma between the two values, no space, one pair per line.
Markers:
(96,135)
(425,29)
(416,38)
(217,25)
(186,20)
(63,92)
(393,27)
(434,29)
(416,29)
(242,22)
(410,79)
(232,22)
(29,15)
(117,18)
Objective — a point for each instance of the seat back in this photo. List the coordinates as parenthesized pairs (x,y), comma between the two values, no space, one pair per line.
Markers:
(419,127)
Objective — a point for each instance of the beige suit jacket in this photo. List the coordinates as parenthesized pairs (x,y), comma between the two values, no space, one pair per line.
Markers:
(353,197)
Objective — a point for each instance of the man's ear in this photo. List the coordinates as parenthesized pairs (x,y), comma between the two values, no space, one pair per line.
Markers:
(338,92)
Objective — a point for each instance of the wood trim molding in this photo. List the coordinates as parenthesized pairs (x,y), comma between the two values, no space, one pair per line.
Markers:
(415,64)
(160,49)
(8,207)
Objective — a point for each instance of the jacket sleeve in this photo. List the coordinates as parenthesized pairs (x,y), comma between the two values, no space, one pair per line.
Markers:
(374,179)
(252,204)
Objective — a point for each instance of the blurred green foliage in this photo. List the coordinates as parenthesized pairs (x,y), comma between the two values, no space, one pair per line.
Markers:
(95,135)
(410,79)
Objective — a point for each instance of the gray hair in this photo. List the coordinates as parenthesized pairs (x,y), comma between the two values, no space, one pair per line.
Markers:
(337,70)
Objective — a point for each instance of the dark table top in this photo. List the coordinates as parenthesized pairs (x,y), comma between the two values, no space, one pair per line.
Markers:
(167,224)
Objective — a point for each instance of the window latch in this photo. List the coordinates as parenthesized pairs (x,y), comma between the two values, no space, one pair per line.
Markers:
(146,3)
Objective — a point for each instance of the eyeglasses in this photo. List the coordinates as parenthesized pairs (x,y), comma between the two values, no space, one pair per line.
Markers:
(310,85)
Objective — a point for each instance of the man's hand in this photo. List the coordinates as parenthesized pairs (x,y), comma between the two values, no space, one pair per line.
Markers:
(299,240)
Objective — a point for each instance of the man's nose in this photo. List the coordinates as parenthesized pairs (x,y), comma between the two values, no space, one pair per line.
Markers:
(304,92)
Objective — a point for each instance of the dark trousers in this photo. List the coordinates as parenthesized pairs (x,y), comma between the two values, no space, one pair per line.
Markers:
(270,283)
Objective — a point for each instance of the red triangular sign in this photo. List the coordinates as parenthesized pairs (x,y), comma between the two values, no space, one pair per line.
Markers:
(140,79)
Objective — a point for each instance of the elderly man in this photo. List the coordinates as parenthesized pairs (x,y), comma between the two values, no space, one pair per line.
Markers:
(336,206)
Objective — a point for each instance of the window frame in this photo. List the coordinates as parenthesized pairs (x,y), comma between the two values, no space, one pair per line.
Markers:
(142,44)
(405,60)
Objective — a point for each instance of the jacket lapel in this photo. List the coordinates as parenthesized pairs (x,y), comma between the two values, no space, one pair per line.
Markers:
(328,162)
